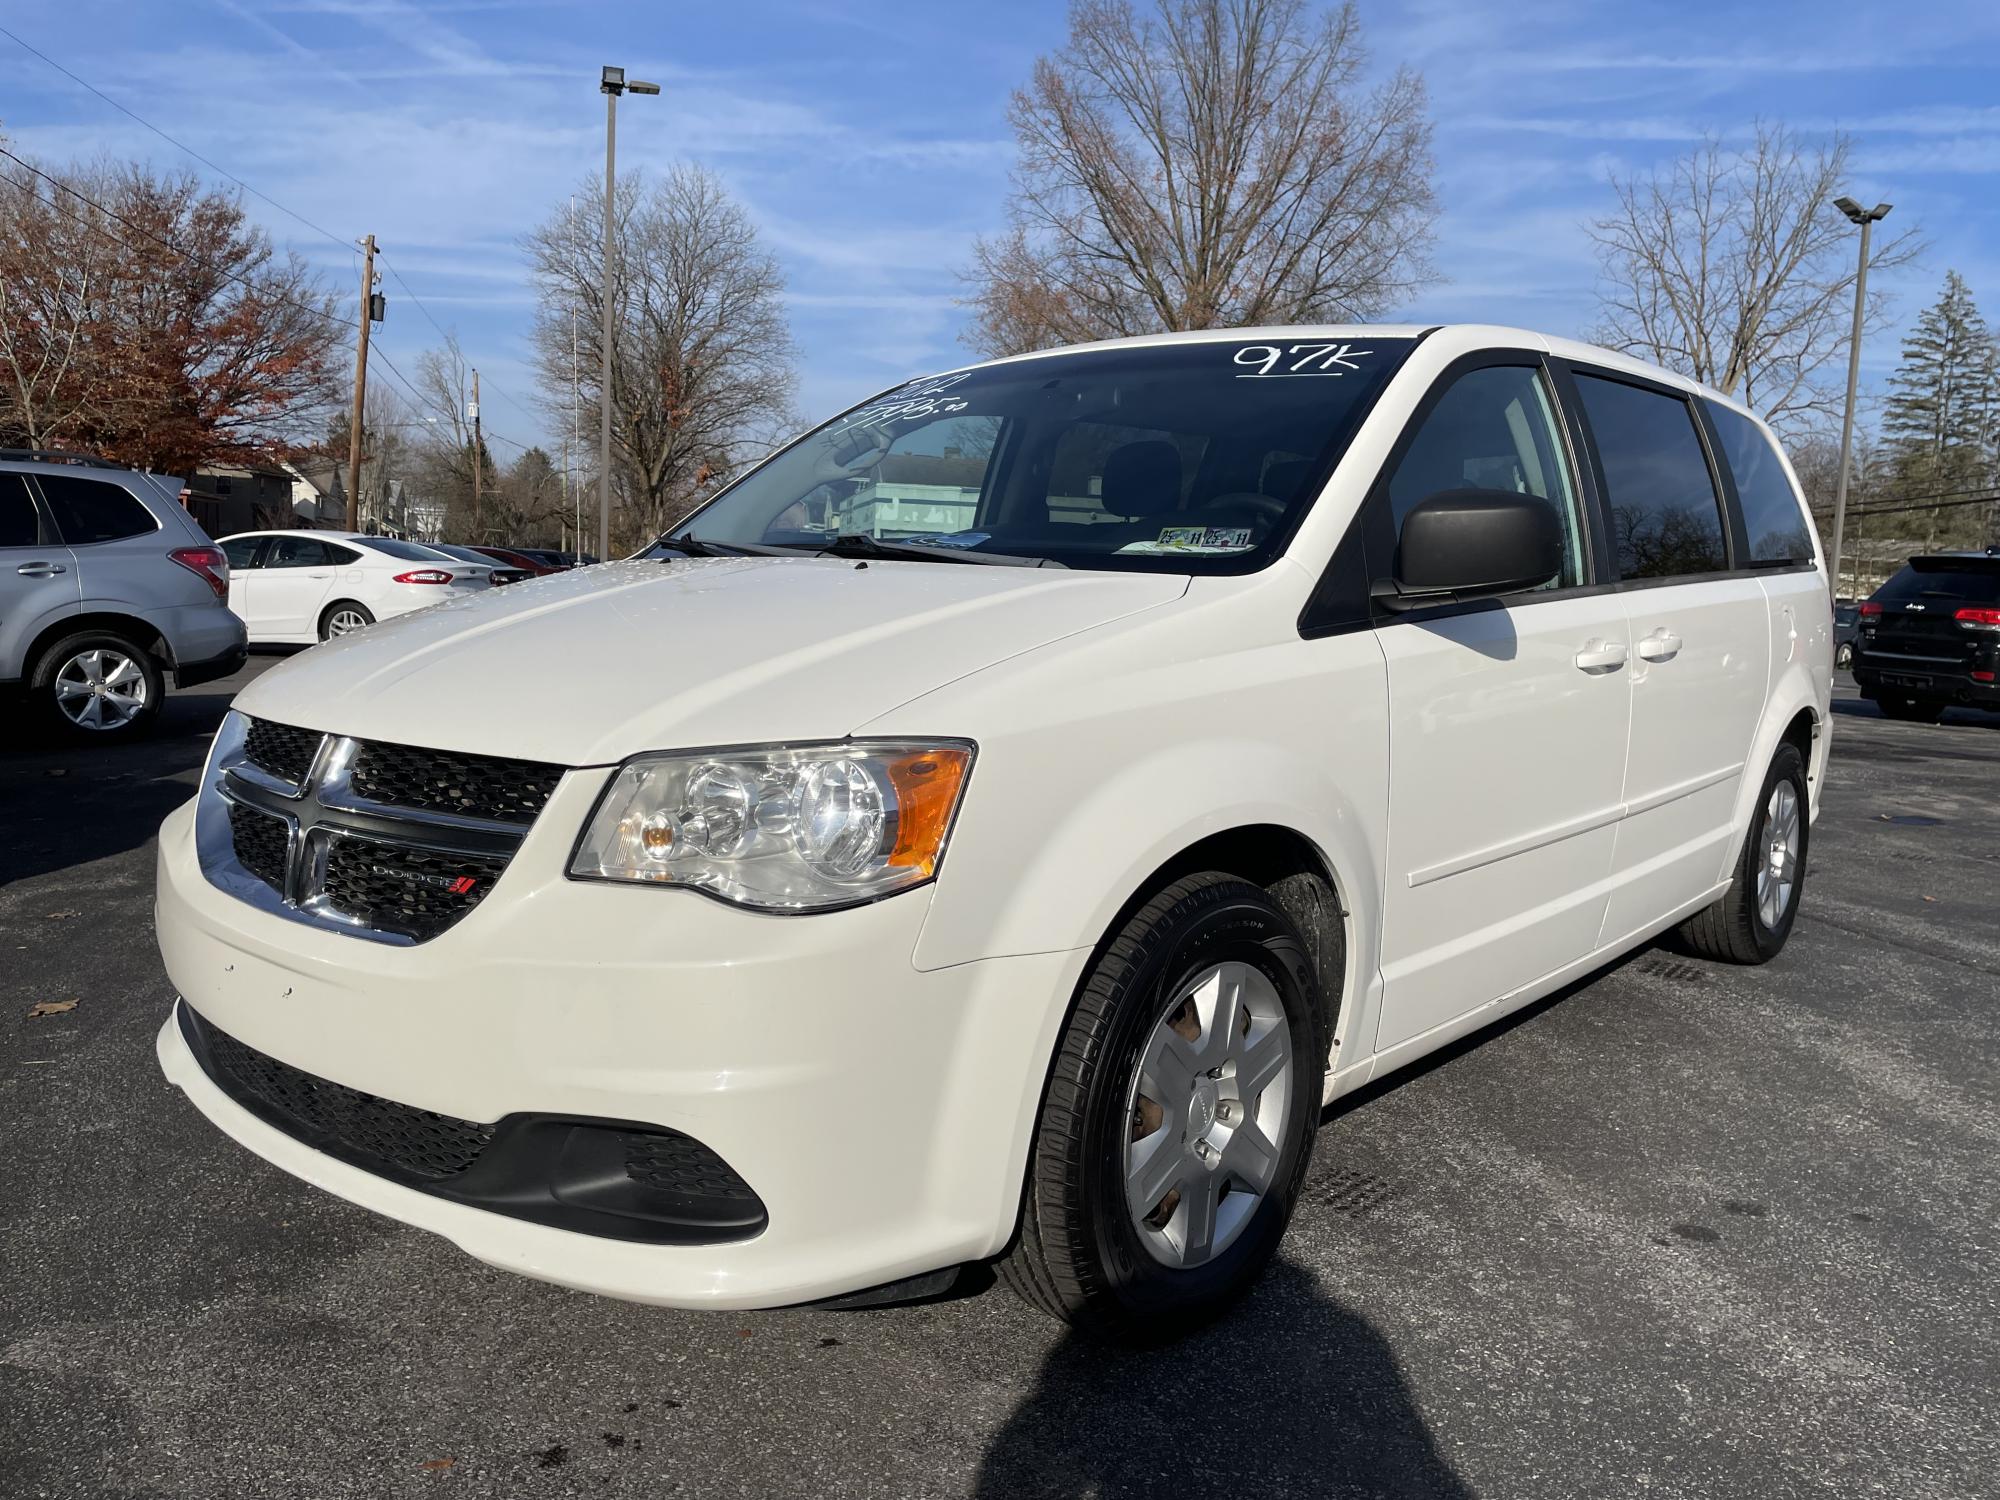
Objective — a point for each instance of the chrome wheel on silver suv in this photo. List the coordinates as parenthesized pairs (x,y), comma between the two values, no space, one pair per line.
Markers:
(102,688)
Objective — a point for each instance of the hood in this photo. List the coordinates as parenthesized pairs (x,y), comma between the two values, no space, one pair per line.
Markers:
(588,667)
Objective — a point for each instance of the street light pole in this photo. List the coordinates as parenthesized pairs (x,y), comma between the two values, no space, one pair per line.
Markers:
(613,83)
(1866,218)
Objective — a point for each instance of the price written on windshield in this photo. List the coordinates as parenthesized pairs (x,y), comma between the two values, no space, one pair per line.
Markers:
(1275,362)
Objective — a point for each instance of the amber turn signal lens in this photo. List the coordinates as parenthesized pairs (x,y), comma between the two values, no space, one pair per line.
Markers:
(927,784)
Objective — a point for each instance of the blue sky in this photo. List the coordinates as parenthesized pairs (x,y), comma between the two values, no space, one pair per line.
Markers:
(869,140)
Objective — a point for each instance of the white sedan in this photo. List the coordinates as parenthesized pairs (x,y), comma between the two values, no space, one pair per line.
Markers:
(305,586)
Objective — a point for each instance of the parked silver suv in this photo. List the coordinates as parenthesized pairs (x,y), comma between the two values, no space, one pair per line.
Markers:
(107,585)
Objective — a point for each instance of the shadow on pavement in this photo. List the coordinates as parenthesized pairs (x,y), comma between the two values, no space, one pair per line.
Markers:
(1290,1393)
(65,803)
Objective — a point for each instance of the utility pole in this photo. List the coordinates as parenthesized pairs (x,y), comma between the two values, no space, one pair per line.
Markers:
(478,526)
(1866,218)
(360,385)
(612,83)
(575,391)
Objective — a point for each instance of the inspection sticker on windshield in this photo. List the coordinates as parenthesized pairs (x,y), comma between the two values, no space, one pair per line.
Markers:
(1280,361)
(1195,539)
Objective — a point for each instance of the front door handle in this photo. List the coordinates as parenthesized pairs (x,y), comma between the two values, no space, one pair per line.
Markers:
(40,569)
(1598,656)
(1661,645)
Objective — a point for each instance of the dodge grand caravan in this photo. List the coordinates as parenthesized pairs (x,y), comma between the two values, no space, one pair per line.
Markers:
(995,825)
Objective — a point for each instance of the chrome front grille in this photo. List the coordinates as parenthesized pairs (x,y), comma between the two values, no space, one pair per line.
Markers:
(380,840)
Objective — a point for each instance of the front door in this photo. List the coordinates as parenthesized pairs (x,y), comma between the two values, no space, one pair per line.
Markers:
(1508,725)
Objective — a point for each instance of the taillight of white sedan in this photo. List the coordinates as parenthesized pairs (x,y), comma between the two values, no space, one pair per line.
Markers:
(296,587)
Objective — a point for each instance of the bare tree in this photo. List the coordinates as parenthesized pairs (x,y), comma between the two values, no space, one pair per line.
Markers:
(1210,163)
(1733,266)
(703,357)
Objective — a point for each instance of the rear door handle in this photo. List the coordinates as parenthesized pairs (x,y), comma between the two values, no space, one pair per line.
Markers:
(1661,645)
(40,569)
(1596,656)
(319,575)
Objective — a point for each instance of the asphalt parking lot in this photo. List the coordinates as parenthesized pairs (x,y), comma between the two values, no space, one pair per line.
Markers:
(1680,1231)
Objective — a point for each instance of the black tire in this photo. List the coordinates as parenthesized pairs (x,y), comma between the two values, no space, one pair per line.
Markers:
(1078,1255)
(342,606)
(1733,930)
(59,659)
(1912,710)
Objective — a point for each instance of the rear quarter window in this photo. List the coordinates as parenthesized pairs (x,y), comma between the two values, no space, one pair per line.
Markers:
(1772,520)
(90,510)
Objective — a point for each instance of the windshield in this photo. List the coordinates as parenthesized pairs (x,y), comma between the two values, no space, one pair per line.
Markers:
(1197,457)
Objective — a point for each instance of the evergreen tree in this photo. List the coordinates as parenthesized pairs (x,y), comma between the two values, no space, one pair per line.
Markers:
(1941,418)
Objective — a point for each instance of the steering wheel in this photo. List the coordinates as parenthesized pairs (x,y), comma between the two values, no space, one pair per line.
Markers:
(1266,508)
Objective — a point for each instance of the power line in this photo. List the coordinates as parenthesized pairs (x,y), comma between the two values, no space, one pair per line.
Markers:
(170,140)
(498,389)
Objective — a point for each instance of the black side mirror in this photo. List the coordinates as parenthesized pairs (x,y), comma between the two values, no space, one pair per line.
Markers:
(1473,544)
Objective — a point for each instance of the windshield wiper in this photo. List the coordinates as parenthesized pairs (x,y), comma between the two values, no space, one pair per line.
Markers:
(860,544)
(694,546)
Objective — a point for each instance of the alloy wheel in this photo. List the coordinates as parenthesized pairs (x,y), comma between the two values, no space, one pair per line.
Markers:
(345,622)
(100,689)
(1778,870)
(1209,1102)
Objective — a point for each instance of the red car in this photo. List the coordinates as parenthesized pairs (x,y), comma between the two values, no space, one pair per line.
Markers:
(515,559)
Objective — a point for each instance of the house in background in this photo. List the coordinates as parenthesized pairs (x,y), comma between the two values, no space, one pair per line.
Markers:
(227,498)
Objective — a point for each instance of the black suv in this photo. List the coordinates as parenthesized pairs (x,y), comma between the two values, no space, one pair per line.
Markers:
(1930,637)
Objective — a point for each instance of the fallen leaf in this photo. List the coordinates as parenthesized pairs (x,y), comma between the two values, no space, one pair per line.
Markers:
(437,1463)
(1930,898)
(50,1008)
(59,771)
(63,916)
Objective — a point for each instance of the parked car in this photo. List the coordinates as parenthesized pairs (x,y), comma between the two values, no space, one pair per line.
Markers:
(296,587)
(501,572)
(507,557)
(1846,623)
(555,562)
(1013,868)
(1930,637)
(107,588)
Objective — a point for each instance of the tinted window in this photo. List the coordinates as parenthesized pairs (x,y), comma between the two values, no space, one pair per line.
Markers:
(1772,519)
(1664,518)
(340,556)
(295,552)
(19,525)
(1494,429)
(1944,578)
(239,550)
(89,510)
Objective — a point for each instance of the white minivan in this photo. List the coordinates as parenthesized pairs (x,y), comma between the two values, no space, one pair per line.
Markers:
(996,825)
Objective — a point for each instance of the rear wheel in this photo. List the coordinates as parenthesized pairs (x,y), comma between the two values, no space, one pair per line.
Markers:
(344,618)
(98,684)
(1750,923)
(1844,656)
(1179,1115)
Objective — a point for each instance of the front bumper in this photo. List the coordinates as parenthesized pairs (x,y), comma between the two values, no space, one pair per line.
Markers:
(882,1114)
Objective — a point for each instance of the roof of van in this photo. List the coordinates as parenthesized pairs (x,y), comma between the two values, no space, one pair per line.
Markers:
(1497,335)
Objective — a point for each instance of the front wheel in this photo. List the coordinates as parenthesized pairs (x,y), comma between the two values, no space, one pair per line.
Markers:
(1750,923)
(1179,1115)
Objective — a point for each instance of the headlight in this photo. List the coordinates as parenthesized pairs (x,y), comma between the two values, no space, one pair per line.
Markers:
(780,829)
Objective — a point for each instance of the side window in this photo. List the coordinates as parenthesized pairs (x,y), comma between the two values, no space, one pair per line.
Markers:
(240,550)
(20,525)
(1772,519)
(1103,472)
(90,510)
(295,552)
(1494,429)
(1665,522)
(340,556)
